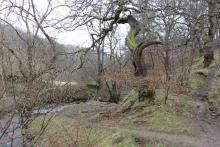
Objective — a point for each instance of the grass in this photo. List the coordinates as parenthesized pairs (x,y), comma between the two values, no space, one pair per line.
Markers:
(173,118)
(198,74)
(196,81)
(64,132)
(214,94)
(173,123)
(198,63)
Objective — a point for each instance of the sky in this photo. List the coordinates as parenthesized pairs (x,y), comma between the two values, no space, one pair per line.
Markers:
(78,37)
(81,37)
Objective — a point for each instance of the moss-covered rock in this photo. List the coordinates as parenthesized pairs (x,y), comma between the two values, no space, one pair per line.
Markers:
(137,98)
(129,101)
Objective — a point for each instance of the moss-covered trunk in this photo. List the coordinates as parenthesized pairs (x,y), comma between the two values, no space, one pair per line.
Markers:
(138,63)
(135,48)
(208,50)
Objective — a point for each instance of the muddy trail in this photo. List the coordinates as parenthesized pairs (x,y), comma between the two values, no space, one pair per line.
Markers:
(209,127)
(175,139)
(202,93)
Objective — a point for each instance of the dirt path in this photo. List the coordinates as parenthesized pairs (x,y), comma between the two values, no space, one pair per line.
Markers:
(210,131)
(202,93)
(179,140)
(210,127)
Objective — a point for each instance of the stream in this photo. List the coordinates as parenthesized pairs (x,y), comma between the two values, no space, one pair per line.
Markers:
(48,109)
(12,137)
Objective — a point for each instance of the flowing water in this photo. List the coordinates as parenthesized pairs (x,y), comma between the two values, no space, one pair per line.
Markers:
(10,128)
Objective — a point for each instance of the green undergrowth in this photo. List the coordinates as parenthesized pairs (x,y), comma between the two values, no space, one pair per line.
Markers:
(198,63)
(174,123)
(65,132)
(173,117)
(196,80)
(198,66)
(198,74)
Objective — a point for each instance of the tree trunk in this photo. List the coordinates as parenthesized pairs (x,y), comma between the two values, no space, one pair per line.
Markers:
(135,48)
(138,60)
(208,55)
(113,91)
(208,50)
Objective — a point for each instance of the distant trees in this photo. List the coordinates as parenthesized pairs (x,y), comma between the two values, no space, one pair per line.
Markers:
(28,56)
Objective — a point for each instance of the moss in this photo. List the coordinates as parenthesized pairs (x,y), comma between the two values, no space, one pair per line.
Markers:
(198,63)
(196,81)
(128,101)
(136,99)
(130,39)
(203,72)
(205,37)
